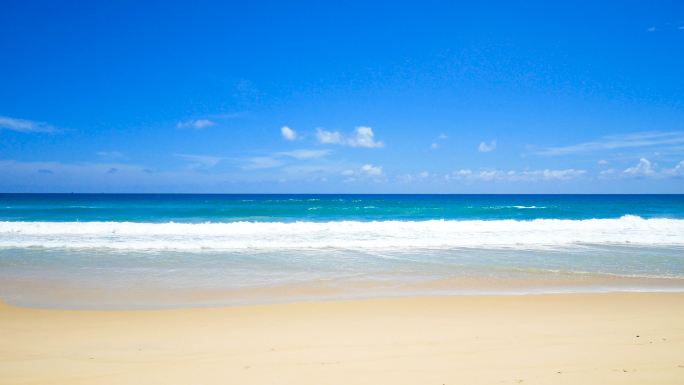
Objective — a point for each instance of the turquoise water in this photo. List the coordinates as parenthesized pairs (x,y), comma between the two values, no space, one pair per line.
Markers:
(196,208)
(123,251)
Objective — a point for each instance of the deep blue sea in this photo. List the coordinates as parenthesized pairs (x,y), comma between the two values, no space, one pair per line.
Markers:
(149,250)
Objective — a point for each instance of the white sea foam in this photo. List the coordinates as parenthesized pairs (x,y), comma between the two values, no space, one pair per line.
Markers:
(539,233)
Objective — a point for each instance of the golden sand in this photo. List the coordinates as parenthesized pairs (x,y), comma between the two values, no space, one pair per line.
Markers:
(628,338)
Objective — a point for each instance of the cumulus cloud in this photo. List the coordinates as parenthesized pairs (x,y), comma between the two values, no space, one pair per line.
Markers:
(328,137)
(515,176)
(371,170)
(288,133)
(643,168)
(364,137)
(23,125)
(487,147)
(195,124)
(361,137)
(677,170)
(366,170)
(602,162)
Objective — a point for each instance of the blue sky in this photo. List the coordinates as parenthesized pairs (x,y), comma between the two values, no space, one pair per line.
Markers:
(342,97)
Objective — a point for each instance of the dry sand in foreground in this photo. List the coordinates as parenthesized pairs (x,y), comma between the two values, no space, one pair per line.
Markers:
(630,338)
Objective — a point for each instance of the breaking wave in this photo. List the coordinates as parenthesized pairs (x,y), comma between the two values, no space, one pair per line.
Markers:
(538,233)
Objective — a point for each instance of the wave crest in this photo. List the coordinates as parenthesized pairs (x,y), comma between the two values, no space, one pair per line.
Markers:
(343,234)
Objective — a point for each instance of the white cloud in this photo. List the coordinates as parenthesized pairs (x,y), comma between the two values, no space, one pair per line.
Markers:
(362,137)
(651,29)
(196,124)
(288,133)
(281,158)
(328,137)
(371,170)
(602,162)
(617,142)
(643,168)
(366,170)
(315,171)
(200,161)
(462,173)
(677,170)
(304,154)
(484,147)
(23,125)
(410,178)
(607,173)
(436,145)
(488,175)
(261,162)
(547,174)
(515,176)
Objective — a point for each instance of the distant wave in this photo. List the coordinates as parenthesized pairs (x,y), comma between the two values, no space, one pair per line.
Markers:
(538,233)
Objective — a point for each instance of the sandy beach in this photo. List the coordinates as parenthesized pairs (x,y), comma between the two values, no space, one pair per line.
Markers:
(625,338)
(341,193)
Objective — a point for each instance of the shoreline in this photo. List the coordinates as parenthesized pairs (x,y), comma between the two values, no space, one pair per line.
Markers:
(90,295)
(538,339)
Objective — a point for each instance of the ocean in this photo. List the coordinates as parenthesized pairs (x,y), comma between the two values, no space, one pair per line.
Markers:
(170,250)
